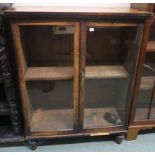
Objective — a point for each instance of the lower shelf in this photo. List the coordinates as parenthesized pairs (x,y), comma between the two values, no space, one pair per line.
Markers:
(94,118)
(57,120)
(43,120)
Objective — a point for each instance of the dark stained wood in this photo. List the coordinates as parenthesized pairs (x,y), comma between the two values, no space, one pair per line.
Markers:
(97,24)
(39,123)
(33,73)
(10,118)
(4,109)
(86,132)
(21,72)
(9,138)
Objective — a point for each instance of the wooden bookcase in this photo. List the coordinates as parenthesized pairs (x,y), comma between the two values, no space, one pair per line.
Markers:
(76,68)
(143,106)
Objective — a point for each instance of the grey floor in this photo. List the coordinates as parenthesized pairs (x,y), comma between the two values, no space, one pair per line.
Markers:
(144,143)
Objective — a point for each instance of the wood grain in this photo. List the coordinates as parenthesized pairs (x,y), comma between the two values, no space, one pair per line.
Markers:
(61,73)
(99,24)
(21,71)
(49,73)
(116,71)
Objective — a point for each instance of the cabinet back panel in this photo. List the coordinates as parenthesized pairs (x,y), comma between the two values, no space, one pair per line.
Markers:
(48,45)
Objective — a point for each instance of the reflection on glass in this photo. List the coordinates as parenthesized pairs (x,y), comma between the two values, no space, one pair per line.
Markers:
(105,102)
(110,56)
(48,45)
(51,105)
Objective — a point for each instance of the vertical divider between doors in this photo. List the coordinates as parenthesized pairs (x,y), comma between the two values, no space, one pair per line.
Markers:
(76,75)
(83,39)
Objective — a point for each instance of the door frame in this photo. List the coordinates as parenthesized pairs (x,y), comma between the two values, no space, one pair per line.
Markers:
(22,66)
(83,48)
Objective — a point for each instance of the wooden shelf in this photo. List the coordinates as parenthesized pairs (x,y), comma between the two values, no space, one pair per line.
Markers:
(116,71)
(147,82)
(94,117)
(57,119)
(49,73)
(60,73)
(61,119)
(151,46)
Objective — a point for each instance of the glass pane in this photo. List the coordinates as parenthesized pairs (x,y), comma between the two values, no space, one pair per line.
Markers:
(110,56)
(105,101)
(48,53)
(152,32)
(145,98)
(152,115)
(51,105)
(47,45)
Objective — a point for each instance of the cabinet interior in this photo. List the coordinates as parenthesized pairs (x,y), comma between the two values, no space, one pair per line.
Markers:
(48,59)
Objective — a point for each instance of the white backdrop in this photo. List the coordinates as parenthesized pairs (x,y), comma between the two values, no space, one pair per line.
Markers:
(76,3)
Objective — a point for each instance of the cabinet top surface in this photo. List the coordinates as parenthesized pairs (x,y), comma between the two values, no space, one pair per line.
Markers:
(76,10)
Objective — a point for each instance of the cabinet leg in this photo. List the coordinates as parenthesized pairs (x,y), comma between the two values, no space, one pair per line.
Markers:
(119,138)
(132,134)
(32,144)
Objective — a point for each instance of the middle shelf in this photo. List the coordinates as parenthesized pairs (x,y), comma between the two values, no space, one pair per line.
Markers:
(59,73)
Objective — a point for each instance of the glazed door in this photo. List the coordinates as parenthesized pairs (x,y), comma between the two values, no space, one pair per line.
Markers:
(47,54)
(109,59)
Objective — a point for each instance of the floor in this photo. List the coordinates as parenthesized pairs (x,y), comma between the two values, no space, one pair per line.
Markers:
(144,143)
